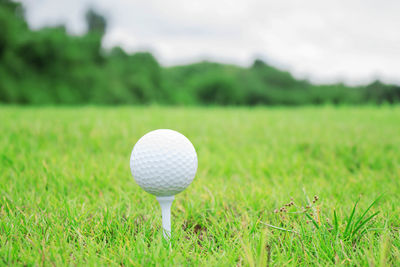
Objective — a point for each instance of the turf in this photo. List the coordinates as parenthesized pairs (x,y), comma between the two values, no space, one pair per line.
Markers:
(67,196)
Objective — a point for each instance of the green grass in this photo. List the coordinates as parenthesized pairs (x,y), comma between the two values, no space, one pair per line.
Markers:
(67,196)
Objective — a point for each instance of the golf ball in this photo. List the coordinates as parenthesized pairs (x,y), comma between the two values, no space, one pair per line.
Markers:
(163,162)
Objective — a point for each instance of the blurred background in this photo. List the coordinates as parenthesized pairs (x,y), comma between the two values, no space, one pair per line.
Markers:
(199,52)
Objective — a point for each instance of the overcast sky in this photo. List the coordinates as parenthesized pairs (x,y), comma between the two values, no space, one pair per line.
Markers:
(355,41)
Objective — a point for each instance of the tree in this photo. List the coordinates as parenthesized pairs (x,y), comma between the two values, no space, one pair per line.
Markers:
(96,23)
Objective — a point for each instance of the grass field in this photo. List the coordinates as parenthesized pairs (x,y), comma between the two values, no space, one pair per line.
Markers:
(67,196)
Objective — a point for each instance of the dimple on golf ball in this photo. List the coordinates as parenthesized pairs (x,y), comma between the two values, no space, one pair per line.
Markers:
(163,162)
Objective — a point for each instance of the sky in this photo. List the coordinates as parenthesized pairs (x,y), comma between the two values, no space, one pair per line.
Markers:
(350,41)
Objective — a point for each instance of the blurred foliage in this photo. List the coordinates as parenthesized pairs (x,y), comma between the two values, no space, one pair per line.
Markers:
(49,66)
(95,22)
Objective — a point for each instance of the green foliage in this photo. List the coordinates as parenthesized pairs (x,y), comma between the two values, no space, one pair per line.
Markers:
(96,23)
(49,66)
(67,196)
(379,93)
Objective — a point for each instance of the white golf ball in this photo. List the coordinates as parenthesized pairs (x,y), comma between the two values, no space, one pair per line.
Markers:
(163,162)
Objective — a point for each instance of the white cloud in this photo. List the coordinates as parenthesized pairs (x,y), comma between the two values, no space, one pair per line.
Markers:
(355,40)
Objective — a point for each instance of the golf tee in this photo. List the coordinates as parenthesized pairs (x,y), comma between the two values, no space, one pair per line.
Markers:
(165,203)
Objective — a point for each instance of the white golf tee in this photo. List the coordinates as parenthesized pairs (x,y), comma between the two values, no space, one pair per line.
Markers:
(165,203)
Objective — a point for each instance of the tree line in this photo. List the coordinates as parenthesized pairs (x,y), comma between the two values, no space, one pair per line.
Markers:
(50,67)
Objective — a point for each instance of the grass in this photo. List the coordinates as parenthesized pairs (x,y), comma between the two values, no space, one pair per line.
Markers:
(67,196)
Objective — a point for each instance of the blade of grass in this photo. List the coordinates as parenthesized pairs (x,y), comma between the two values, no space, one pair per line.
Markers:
(312,219)
(350,219)
(335,222)
(365,212)
(279,228)
(363,223)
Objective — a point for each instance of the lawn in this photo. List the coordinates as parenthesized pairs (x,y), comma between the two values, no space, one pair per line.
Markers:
(67,196)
